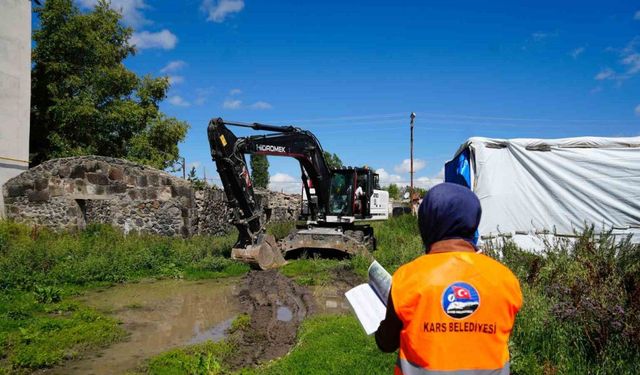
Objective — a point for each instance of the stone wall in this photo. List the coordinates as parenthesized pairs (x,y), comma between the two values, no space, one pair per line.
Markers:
(73,192)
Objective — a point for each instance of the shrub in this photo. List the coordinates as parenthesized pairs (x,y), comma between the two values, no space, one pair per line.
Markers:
(579,309)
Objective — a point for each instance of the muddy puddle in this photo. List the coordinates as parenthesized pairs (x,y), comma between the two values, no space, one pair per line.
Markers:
(158,316)
(163,315)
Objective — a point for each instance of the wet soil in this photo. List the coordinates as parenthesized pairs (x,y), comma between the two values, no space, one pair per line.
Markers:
(163,315)
(277,306)
(158,316)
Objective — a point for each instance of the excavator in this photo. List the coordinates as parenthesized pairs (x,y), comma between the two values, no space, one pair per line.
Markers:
(335,205)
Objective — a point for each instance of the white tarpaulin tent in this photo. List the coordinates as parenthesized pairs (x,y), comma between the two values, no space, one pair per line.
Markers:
(533,186)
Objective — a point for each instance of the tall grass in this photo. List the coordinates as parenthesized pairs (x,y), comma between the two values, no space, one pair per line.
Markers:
(581,299)
(38,256)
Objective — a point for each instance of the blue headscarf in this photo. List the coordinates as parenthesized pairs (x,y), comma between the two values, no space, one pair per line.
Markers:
(449,211)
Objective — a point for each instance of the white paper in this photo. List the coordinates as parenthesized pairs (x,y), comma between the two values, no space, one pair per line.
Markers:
(369,309)
(368,301)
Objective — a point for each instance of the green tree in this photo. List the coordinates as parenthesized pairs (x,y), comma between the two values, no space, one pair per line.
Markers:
(333,161)
(196,182)
(85,101)
(394,191)
(260,170)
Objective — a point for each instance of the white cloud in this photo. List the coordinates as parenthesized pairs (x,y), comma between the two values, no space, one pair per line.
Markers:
(261,105)
(285,183)
(173,66)
(164,39)
(235,92)
(178,101)
(427,182)
(629,61)
(637,16)
(131,10)
(541,36)
(218,10)
(605,74)
(637,110)
(232,104)
(202,94)
(386,178)
(577,52)
(174,80)
(632,61)
(405,166)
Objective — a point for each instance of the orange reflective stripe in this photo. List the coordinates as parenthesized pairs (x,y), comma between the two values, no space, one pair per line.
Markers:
(453,300)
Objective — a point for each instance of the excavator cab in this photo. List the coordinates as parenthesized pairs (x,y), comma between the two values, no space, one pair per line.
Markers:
(351,192)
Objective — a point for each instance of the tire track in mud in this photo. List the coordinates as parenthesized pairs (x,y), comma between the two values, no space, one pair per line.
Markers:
(277,305)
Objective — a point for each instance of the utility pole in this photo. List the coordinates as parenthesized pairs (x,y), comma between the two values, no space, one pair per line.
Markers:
(413,116)
(184,168)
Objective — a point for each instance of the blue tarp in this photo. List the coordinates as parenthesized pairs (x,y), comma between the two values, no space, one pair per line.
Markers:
(458,170)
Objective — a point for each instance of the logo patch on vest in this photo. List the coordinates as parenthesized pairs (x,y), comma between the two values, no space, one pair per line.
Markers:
(460,300)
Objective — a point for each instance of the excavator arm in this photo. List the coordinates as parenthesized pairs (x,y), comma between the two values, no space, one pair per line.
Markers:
(228,152)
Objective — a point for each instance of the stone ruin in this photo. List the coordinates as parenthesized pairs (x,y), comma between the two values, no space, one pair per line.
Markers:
(70,193)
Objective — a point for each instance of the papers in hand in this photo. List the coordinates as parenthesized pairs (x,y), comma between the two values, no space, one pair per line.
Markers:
(369,301)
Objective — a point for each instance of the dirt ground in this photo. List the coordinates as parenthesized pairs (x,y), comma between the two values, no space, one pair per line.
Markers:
(277,305)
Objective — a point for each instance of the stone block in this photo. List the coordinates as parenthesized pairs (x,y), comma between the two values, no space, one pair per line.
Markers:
(116,188)
(97,178)
(142,181)
(116,174)
(78,171)
(91,166)
(15,189)
(41,183)
(38,196)
(64,171)
(153,179)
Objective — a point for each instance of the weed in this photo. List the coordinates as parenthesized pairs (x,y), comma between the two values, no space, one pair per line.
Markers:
(240,323)
(280,229)
(47,294)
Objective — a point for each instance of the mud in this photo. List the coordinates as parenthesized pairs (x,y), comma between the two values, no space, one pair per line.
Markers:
(164,315)
(277,306)
(158,316)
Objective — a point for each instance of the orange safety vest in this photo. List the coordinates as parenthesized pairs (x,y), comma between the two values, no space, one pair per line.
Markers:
(457,308)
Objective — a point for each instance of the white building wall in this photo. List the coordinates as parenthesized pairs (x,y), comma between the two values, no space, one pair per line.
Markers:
(15,88)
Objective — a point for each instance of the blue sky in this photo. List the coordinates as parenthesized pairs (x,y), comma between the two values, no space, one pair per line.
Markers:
(353,71)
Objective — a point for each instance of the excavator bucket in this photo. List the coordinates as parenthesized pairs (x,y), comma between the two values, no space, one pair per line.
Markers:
(264,254)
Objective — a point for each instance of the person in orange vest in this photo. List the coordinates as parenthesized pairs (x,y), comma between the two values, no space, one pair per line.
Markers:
(450,311)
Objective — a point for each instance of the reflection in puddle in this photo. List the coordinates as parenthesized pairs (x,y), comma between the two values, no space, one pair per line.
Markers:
(284,314)
(159,316)
(215,334)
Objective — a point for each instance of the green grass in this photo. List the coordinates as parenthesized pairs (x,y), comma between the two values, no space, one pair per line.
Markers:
(35,335)
(331,345)
(41,270)
(30,257)
(314,271)
(202,359)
